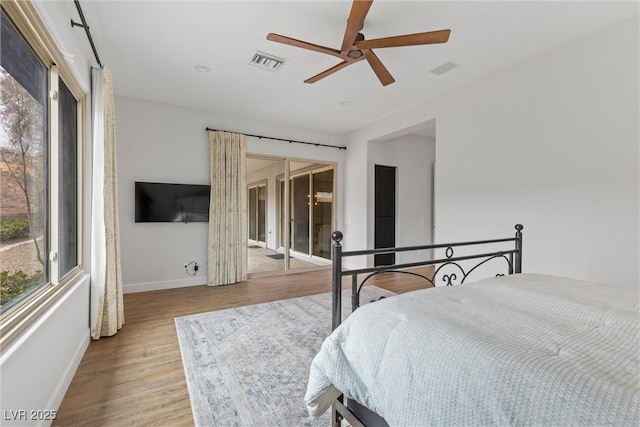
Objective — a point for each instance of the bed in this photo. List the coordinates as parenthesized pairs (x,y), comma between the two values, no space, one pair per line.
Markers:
(514,349)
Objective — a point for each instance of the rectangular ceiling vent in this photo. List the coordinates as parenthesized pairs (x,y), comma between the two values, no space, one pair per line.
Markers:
(267,61)
(441,69)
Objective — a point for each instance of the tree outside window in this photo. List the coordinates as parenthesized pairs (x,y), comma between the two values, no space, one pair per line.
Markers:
(22,192)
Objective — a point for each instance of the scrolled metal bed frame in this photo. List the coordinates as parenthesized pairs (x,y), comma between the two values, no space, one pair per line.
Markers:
(512,257)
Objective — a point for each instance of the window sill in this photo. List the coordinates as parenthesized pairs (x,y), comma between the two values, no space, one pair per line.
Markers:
(20,318)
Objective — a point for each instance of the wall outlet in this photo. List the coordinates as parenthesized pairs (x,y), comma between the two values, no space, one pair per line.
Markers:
(191,268)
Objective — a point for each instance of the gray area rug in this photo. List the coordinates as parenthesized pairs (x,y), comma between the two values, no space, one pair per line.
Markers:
(248,366)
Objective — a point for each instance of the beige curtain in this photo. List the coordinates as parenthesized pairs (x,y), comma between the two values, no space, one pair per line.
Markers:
(227,247)
(107,308)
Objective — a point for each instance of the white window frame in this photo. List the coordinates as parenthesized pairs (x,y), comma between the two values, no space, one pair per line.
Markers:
(19,318)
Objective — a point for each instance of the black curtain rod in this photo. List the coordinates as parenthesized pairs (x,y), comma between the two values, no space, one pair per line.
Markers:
(86,30)
(339,147)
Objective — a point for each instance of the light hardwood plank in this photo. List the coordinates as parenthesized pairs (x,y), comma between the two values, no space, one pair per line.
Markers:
(136,377)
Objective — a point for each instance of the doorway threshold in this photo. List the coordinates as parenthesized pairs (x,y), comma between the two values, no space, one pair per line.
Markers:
(288,272)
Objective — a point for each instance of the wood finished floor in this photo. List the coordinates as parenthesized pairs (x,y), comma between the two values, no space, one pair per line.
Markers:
(136,377)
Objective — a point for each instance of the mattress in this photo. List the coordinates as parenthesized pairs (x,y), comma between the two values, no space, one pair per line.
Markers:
(525,349)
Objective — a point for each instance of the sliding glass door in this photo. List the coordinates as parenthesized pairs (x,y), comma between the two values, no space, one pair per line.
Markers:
(257,213)
(322,212)
(290,209)
(263,253)
(311,210)
(300,214)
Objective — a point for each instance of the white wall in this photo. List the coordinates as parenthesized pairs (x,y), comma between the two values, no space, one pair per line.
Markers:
(413,157)
(359,173)
(354,226)
(37,369)
(165,143)
(551,143)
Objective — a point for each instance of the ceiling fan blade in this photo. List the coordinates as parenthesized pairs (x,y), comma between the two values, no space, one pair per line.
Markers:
(381,71)
(331,70)
(359,10)
(305,45)
(431,37)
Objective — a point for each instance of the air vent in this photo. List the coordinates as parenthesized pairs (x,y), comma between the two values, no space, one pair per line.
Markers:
(447,66)
(267,61)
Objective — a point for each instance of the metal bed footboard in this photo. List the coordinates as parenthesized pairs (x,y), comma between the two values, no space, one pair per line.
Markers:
(513,258)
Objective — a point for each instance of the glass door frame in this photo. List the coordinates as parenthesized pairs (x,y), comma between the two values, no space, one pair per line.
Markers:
(258,185)
(314,168)
(283,213)
(315,200)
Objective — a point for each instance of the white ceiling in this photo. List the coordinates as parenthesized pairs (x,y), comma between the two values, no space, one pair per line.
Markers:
(152,48)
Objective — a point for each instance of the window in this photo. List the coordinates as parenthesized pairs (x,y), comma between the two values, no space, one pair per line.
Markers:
(68,204)
(41,115)
(23,213)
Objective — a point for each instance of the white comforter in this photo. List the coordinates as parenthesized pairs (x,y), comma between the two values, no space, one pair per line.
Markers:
(525,349)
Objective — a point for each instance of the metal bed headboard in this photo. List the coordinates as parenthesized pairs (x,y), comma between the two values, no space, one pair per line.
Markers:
(513,258)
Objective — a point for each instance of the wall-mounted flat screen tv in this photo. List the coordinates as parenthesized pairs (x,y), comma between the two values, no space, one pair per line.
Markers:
(158,202)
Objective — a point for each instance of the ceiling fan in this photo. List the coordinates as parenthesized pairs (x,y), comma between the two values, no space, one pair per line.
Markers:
(355,48)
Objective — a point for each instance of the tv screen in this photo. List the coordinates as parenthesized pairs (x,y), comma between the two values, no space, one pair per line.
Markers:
(158,202)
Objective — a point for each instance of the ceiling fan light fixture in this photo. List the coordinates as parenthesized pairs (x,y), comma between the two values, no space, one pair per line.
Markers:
(354,54)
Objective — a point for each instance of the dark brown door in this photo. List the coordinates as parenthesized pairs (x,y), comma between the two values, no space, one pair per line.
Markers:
(385,213)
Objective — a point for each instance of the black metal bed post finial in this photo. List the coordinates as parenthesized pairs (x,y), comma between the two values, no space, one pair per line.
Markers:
(336,281)
(518,257)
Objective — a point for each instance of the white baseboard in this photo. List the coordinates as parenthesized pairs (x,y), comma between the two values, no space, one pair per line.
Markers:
(133,288)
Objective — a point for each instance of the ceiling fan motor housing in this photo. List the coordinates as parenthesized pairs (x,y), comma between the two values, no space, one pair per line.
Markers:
(357,53)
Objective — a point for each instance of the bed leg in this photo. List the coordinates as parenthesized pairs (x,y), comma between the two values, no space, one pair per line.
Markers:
(336,418)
